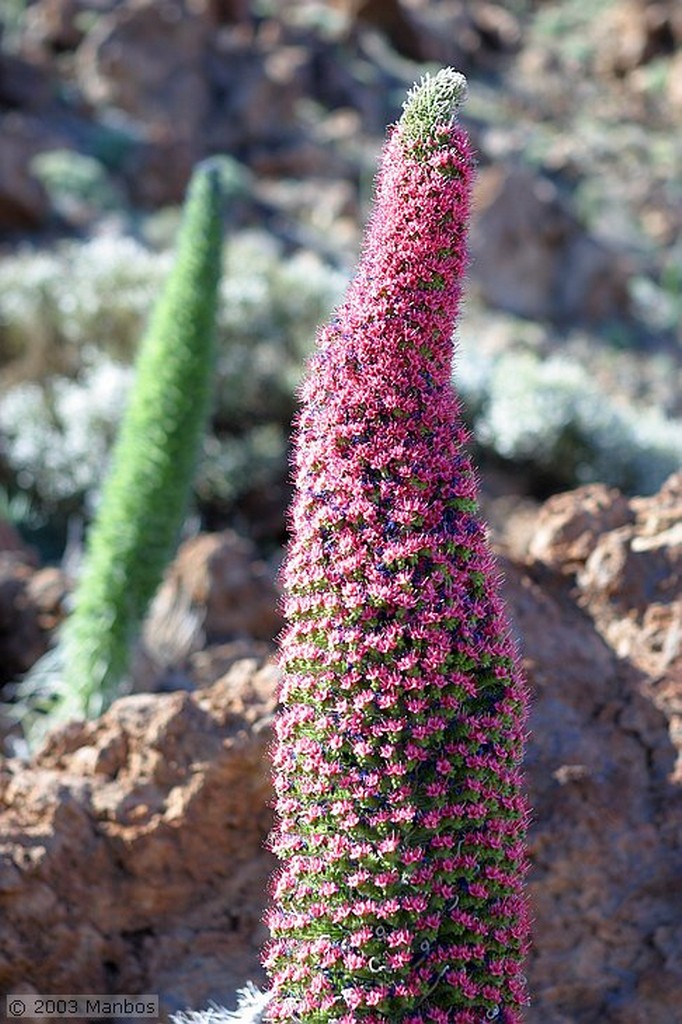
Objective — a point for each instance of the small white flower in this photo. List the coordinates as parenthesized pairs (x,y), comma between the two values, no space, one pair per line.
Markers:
(251,1010)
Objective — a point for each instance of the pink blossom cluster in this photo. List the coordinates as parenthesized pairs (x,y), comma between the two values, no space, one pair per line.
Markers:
(401,818)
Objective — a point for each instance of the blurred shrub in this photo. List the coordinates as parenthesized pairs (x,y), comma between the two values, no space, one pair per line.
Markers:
(659,302)
(271,306)
(56,434)
(18,509)
(70,319)
(236,463)
(551,415)
(81,295)
(12,17)
(79,186)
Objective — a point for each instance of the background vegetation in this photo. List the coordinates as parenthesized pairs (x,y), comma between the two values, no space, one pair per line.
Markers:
(579,97)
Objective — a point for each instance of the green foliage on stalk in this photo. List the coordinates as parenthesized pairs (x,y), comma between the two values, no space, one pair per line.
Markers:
(432,101)
(144,497)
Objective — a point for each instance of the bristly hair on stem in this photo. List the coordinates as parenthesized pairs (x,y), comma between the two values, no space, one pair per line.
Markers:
(433,101)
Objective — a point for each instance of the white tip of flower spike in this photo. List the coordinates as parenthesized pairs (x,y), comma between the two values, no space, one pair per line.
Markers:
(435,100)
(251,1010)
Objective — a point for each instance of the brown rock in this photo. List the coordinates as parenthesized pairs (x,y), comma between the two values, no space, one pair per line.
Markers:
(497,27)
(131,849)
(633,32)
(208,665)
(631,585)
(222,576)
(225,12)
(52,25)
(216,590)
(157,171)
(257,84)
(22,640)
(47,591)
(146,58)
(135,841)
(605,843)
(628,560)
(531,256)
(23,85)
(392,19)
(11,541)
(660,511)
(451,32)
(568,526)
(23,201)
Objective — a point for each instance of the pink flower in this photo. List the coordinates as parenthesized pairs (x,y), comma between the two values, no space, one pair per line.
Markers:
(403,709)
(399,959)
(353,998)
(399,937)
(390,844)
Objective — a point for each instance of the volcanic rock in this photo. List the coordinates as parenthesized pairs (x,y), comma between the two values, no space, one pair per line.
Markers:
(132,855)
(531,257)
(131,848)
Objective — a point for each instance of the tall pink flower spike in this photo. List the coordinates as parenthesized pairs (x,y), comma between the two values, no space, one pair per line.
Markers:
(401,819)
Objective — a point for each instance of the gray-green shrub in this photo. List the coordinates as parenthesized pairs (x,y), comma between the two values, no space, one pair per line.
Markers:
(62,311)
(552,415)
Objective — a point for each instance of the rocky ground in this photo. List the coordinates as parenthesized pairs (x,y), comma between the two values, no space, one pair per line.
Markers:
(132,850)
(132,847)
